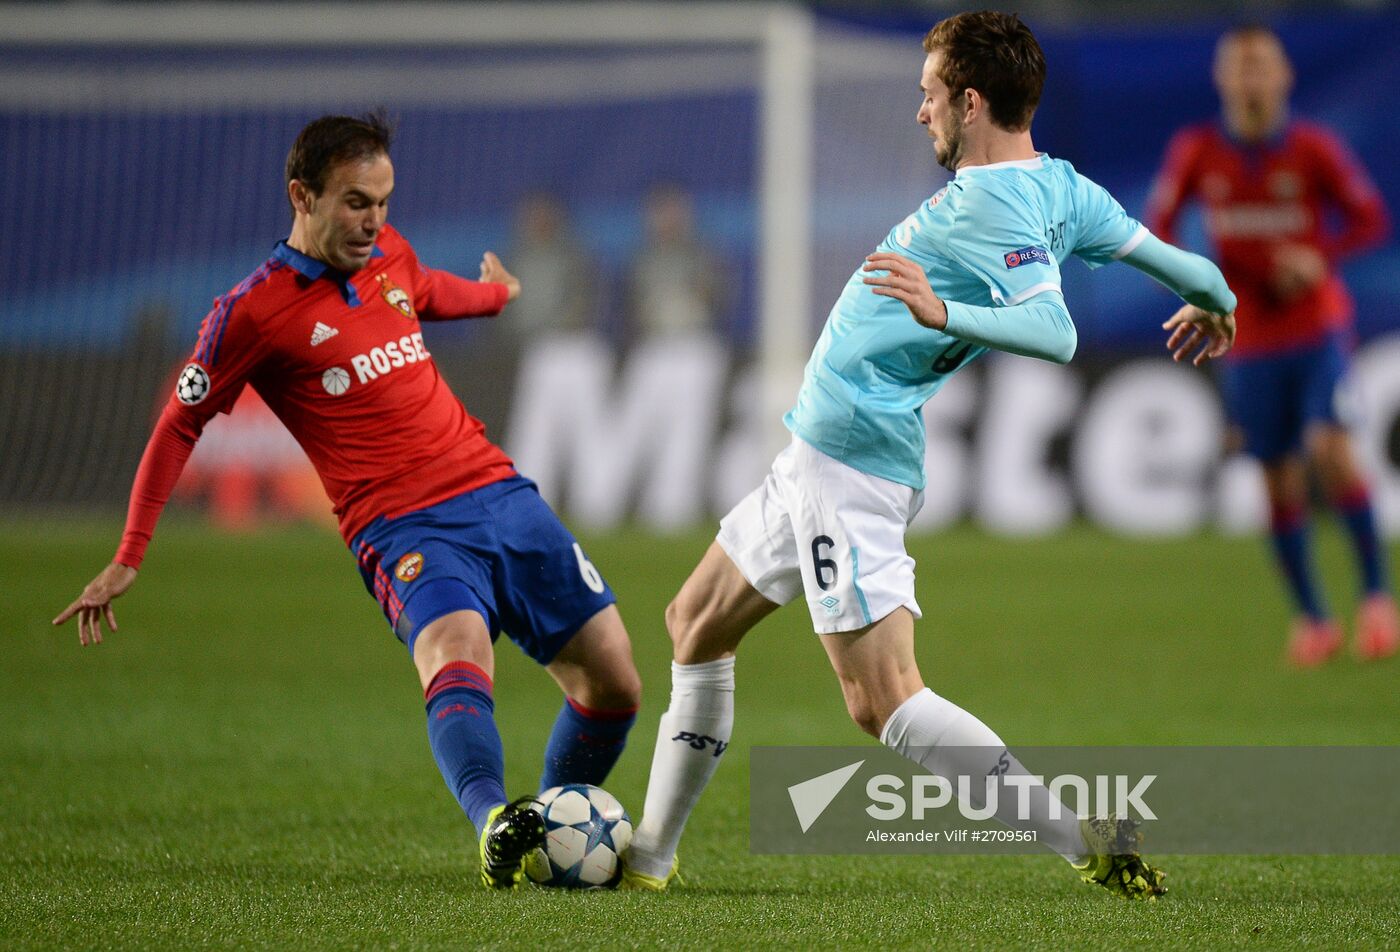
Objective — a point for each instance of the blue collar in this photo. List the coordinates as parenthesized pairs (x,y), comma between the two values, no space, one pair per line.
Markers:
(314,268)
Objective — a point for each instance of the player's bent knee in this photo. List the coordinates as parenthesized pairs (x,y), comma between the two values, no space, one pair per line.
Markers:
(870,706)
(595,667)
(457,636)
(615,686)
(865,713)
(677,621)
(617,694)
(627,687)
(695,638)
(1337,467)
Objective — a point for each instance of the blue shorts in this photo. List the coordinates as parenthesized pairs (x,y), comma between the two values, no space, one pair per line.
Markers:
(1275,398)
(499,551)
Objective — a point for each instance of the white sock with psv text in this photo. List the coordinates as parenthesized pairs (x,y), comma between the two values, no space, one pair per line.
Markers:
(694,733)
(949,742)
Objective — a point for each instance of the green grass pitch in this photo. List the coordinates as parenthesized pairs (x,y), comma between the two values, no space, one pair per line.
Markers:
(244,764)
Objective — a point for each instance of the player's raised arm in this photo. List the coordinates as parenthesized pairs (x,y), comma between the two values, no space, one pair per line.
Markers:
(1206,324)
(1191,277)
(444,296)
(1038,327)
(493,271)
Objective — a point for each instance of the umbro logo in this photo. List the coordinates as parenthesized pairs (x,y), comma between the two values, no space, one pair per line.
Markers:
(322,333)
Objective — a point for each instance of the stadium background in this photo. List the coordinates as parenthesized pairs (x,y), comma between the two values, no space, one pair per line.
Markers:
(243,765)
(142,179)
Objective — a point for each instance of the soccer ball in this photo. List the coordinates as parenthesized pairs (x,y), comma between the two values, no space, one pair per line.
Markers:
(193,385)
(587,830)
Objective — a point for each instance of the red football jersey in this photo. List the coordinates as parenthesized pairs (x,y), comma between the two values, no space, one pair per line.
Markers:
(1260,197)
(341,360)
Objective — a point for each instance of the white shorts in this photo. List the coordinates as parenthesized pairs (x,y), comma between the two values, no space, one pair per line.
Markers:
(820,527)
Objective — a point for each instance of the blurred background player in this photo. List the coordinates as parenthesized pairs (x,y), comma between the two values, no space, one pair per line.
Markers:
(674,284)
(1271,186)
(454,544)
(551,261)
(974,268)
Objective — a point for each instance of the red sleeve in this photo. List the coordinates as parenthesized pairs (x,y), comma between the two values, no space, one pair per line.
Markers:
(443,296)
(166,453)
(1175,184)
(1346,183)
(224,358)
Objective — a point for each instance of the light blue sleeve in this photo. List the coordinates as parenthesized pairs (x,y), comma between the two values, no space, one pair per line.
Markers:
(1106,232)
(999,236)
(1196,280)
(1041,327)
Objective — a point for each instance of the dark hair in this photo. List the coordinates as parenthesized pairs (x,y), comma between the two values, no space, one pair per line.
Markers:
(327,142)
(995,54)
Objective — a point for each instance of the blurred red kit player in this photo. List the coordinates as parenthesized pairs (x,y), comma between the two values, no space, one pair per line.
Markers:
(1267,203)
(1284,202)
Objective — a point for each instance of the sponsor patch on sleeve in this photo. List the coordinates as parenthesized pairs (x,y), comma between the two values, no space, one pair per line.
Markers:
(1027,255)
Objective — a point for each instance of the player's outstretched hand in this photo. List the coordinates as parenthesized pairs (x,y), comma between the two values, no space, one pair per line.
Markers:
(95,603)
(493,270)
(905,281)
(1192,328)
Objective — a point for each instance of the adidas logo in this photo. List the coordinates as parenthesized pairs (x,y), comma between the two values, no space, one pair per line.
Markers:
(322,333)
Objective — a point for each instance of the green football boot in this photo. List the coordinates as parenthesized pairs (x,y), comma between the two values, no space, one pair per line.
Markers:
(512,831)
(635,879)
(1114,861)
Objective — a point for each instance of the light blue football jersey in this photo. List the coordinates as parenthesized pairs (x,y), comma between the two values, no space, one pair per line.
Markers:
(993,237)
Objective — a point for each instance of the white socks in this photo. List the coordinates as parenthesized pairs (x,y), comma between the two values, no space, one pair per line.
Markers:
(694,732)
(947,741)
(930,730)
